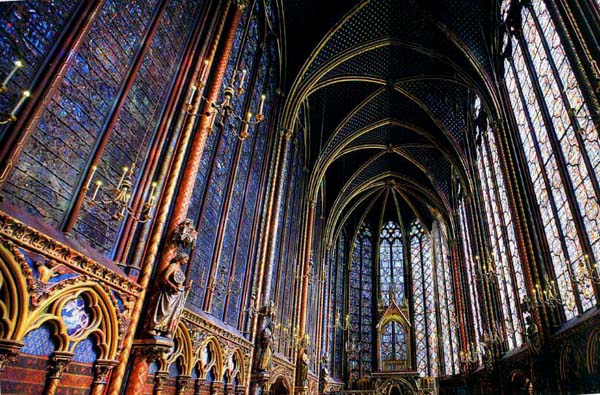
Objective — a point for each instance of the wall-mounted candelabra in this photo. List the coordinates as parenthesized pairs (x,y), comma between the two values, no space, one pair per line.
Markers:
(484,271)
(309,276)
(299,341)
(118,199)
(586,273)
(493,336)
(7,117)
(351,345)
(337,324)
(222,285)
(223,112)
(471,355)
(544,296)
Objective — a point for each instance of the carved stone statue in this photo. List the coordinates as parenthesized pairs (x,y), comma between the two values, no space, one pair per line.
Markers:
(324,374)
(167,304)
(303,361)
(265,346)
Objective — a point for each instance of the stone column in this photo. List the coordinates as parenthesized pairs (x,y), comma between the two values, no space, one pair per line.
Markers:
(146,352)
(8,352)
(182,384)
(160,221)
(102,369)
(217,388)
(259,380)
(57,364)
(159,382)
(201,387)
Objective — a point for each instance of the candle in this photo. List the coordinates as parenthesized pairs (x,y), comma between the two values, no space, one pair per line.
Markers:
(152,191)
(94,168)
(262,104)
(125,169)
(203,73)
(213,117)
(98,185)
(242,78)
(18,65)
(24,97)
(189,102)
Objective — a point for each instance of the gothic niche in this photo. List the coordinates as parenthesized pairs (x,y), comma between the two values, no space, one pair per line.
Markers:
(393,340)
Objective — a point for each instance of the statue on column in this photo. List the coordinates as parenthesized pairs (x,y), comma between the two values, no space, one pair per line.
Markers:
(324,374)
(167,304)
(303,361)
(265,350)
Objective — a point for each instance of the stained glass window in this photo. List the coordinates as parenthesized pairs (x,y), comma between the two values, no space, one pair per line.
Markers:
(447,307)
(53,160)
(49,173)
(561,146)
(133,133)
(30,31)
(218,187)
(425,323)
(361,318)
(391,264)
(393,347)
(474,294)
(338,307)
(505,256)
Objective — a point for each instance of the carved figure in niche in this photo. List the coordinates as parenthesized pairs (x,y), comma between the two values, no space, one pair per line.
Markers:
(303,361)
(532,333)
(265,351)
(324,374)
(324,366)
(167,304)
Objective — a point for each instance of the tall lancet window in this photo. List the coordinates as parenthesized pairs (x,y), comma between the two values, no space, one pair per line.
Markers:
(561,145)
(391,264)
(424,301)
(504,259)
(448,319)
(359,346)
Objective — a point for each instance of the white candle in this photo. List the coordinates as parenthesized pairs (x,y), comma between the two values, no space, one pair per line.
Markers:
(24,97)
(125,169)
(262,104)
(213,116)
(189,102)
(152,191)
(204,72)
(98,185)
(18,65)
(242,78)
(94,168)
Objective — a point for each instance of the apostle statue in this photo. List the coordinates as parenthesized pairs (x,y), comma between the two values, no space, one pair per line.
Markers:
(324,374)
(266,340)
(303,360)
(168,302)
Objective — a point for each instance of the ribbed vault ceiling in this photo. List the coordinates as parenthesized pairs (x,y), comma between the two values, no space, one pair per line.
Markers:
(384,88)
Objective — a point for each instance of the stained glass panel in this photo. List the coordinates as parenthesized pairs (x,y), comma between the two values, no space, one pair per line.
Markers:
(425,323)
(50,167)
(361,293)
(393,347)
(566,137)
(29,32)
(391,264)
(139,117)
